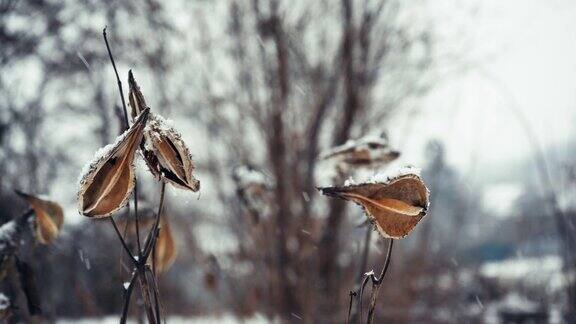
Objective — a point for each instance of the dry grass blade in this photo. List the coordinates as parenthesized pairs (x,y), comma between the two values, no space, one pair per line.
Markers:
(106,185)
(395,206)
(166,155)
(49,217)
(165,251)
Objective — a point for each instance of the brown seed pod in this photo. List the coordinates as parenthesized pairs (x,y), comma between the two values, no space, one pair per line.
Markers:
(366,151)
(167,156)
(108,181)
(49,217)
(165,251)
(395,205)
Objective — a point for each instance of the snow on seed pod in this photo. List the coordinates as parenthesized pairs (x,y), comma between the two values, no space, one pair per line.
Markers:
(107,182)
(167,156)
(365,151)
(394,204)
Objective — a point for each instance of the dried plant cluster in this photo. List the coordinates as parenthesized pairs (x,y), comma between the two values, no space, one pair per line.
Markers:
(393,204)
(110,179)
(43,219)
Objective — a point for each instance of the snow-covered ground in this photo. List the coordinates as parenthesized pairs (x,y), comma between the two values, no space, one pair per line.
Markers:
(224,319)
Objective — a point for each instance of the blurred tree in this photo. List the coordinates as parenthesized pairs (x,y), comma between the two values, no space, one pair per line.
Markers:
(292,78)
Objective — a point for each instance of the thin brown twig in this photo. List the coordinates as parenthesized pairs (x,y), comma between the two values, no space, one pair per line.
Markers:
(376,282)
(352,295)
(137,217)
(151,239)
(126,124)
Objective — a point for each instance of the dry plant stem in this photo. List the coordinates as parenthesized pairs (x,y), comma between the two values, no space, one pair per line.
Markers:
(145,290)
(139,263)
(126,125)
(365,252)
(361,271)
(376,282)
(140,271)
(126,248)
(127,294)
(155,289)
(352,295)
(117,78)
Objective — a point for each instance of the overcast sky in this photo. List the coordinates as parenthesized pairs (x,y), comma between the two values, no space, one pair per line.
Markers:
(526,54)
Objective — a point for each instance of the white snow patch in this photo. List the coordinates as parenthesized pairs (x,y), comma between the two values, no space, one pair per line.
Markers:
(361,143)
(543,271)
(223,319)
(4,302)
(349,182)
(7,233)
(515,302)
(247,176)
(383,177)
(501,198)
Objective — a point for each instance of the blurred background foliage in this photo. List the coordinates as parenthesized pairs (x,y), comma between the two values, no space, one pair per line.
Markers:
(272,84)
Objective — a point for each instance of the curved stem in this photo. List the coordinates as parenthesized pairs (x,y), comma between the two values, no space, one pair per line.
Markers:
(376,282)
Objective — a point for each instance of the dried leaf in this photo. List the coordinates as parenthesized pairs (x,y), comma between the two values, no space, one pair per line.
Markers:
(395,206)
(165,250)
(49,217)
(166,155)
(109,180)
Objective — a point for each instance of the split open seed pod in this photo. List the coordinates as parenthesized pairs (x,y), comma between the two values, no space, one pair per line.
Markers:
(394,205)
(49,217)
(167,156)
(365,151)
(165,251)
(108,181)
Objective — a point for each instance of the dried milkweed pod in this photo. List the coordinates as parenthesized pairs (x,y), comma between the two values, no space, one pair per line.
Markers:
(395,204)
(165,250)
(365,151)
(165,153)
(253,188)
(108,180)
(49,217)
